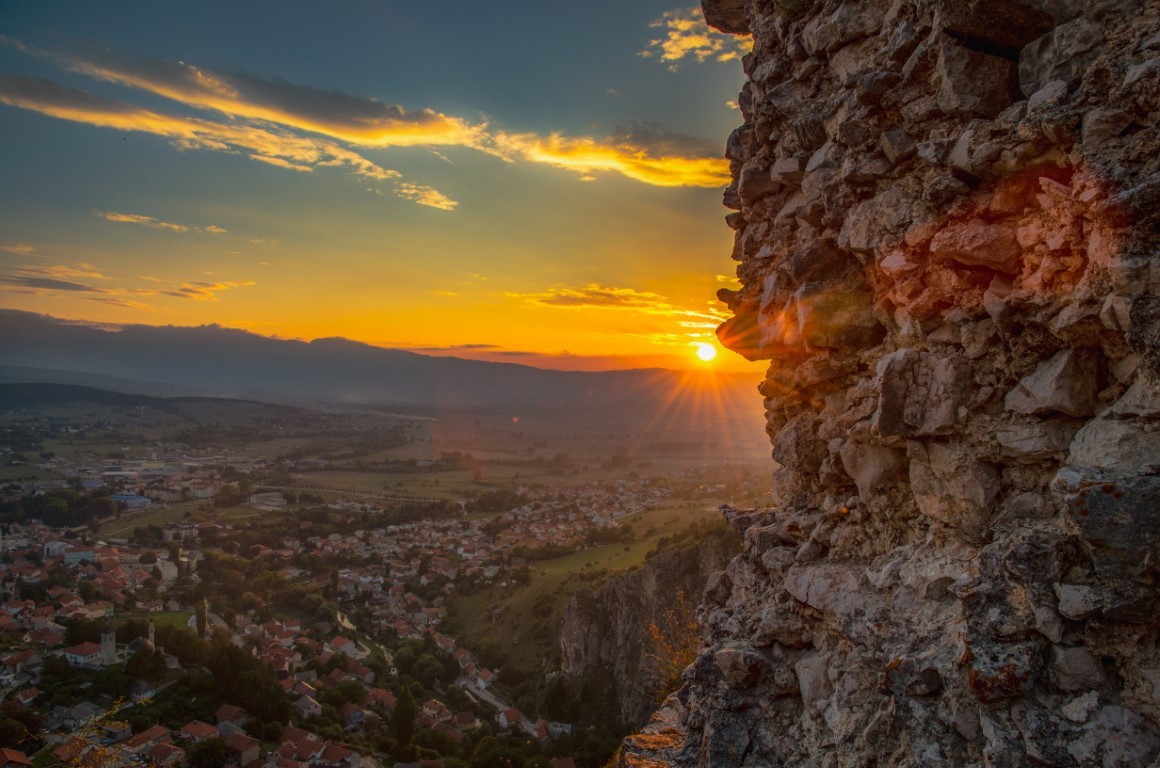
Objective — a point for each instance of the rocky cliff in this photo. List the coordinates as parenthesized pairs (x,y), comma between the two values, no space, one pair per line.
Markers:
(946,217)
(605,630)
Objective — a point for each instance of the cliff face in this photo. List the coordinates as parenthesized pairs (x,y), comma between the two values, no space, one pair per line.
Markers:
(606,629)
(947,217)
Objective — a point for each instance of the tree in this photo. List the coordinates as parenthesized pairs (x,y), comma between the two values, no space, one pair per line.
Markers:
(211,753)
(403,718)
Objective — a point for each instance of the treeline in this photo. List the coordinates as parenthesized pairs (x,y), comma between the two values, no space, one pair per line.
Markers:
(61,508)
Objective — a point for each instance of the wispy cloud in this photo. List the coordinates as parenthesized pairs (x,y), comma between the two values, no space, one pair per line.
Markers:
(687,36)
(644,152)
(20,249)
(597,296)
(301,128)
(155,223)
(78,278)
(205,291)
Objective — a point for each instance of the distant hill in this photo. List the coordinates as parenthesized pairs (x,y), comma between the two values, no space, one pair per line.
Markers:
(223,362)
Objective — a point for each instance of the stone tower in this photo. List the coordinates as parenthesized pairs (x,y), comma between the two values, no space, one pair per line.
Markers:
(108,645)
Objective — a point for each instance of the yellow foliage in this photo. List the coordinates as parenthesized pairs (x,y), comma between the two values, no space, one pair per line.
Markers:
(673,646)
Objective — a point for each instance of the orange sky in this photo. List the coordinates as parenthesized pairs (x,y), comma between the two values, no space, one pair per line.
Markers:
(176,172)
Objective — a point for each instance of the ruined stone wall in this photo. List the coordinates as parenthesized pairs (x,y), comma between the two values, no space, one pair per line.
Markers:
(947,217)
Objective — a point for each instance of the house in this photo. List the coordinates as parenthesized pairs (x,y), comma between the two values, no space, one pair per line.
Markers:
(195,731)
(244,749)
(165,754)
(228,713)
(510,719)
(382,698)
(85,654)
(13,757)
(306,706)
(146,739)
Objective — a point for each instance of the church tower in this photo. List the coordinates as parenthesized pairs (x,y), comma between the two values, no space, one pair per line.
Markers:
(108,645)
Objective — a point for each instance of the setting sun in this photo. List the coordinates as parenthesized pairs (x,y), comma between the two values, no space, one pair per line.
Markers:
(706,352)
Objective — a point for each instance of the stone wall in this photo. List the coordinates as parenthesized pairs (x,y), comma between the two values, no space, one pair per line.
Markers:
(946,217)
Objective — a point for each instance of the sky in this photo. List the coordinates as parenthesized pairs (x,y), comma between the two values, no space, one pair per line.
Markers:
(516,181)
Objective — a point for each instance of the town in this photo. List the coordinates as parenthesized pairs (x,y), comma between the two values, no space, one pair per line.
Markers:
(254,604)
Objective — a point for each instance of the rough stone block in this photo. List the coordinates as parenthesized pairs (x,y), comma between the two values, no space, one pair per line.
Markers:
(1062,54)
(1066,384)
(919,394)
(952,489)
(1075,669)
(979,244)
(973,83)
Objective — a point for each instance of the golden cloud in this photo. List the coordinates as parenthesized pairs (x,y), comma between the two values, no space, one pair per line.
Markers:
(301,128)
(585,155)
(688,36)
(596,296)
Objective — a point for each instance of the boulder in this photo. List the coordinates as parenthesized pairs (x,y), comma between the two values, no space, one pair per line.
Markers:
(1115,444)
(1000,27)
(950,488)
(1075,669)
(849,23)
(919,393)
(978,244)
(973,83)
(1037,440)
(1062,54)
(869,464)
(1066,384)
(726,15)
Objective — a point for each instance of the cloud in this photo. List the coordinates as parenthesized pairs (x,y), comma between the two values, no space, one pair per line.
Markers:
(48,283)
(56,277)
(204,291)
(597,296)
(642,157)
(20,249)
(687,36)
(424,195)
(154,223)
(352,119)
(77,279)
(267,144)
(301,128)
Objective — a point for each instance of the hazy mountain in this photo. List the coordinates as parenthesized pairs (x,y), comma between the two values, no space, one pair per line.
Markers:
(211,360)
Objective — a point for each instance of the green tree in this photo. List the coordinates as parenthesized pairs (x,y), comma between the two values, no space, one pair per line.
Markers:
(403,718)
(211,753)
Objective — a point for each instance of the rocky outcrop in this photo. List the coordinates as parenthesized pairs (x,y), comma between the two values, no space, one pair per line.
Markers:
(605,630)
(946,217)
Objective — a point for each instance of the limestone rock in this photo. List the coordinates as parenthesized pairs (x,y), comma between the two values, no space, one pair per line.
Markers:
(1075,669)
(1037,440)
(850,22)
(1115,444)
(919,394)
(726,15)
(1002,27)
(973,83)
(955,491)
(1062,54)
(977,243)
(870,465)
(1063,384)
